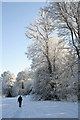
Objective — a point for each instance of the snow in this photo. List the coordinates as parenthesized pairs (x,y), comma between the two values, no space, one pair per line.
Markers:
(38,109)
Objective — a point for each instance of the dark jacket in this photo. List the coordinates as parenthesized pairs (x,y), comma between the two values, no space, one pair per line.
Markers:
(20,99)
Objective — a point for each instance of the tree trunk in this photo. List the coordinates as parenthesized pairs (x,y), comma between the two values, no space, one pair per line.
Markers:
(9,94)
(79,20)
(79,79)
(79,87)
(54,67)
(49,66)
(79,51)
(22,85)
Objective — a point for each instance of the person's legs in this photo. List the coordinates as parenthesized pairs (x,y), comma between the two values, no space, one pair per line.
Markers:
(19,104)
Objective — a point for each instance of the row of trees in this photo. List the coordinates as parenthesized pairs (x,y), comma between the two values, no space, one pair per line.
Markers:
(55,55)
(13,86)
(56,60)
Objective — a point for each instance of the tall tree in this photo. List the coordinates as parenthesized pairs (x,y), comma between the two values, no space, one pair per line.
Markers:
(40,32)
(66,18)
(47,51)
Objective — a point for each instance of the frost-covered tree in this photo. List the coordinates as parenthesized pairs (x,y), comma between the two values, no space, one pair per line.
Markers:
(68,79)
(21,77)
(23,82)
(41,86)
(8,80)
(66,19)
(61,85)
(40,32)
(53,65)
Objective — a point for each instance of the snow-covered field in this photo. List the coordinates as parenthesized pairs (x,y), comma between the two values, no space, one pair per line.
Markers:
(38,109)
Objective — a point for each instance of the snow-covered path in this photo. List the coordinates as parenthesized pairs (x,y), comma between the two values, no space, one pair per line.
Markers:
(38,109)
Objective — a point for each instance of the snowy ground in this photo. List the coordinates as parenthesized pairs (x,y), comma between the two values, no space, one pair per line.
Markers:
(38,109)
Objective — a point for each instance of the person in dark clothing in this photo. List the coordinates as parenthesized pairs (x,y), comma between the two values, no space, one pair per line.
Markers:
(20,101)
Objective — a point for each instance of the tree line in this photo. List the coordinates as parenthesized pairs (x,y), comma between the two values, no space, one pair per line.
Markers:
(54,52)
(13,86)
